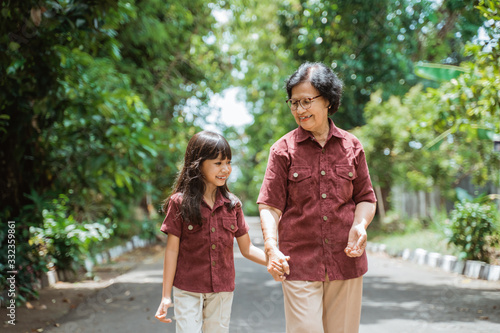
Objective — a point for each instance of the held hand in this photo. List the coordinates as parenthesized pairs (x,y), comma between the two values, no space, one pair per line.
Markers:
(278,265)
(161,313)
(356,243)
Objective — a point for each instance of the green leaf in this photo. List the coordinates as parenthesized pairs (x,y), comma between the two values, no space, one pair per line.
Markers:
(438,72)
(119,180)
(13,46)
(485,134)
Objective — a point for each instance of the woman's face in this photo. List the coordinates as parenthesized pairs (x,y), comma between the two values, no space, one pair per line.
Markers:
(314,119)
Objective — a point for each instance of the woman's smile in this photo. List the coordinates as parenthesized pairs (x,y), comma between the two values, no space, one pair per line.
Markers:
(315,118)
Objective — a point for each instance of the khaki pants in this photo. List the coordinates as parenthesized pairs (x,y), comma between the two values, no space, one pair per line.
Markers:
(323,307)
(202,312)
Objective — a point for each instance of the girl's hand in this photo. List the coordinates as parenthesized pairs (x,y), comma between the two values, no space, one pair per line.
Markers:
(278,267)
(161,313)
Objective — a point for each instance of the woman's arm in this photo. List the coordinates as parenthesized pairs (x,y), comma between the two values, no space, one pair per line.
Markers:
(269,219)
(249,251)
(169,269)
(363,216)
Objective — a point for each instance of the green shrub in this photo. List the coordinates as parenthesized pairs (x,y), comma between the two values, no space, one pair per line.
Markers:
(472,225)
(393,222)
(64,240)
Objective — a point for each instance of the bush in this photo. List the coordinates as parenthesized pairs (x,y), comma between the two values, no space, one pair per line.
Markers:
(394,222)
(473,225)
(65,241)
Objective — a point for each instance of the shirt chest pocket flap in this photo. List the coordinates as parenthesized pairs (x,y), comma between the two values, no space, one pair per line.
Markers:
(346,171)
(229,223)
(192,228)
(298,174)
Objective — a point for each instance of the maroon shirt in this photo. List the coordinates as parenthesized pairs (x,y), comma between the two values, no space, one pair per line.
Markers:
(317,190)
(205,263)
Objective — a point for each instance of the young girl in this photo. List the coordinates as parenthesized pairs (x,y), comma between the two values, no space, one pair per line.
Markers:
(202,220)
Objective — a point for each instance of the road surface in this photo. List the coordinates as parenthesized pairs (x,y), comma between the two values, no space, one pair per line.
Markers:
(398,296)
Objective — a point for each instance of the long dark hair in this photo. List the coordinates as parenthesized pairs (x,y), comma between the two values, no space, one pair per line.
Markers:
(322,78)
(203,146)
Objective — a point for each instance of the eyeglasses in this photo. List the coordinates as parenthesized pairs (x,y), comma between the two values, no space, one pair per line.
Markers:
(304,102)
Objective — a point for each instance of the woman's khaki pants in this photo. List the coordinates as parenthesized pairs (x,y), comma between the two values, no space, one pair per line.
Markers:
(323,307)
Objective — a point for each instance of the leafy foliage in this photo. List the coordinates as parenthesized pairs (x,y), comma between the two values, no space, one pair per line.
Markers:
(64,241)
(371,45)
(98,100)
(471,225)
(436,137)
(92,106)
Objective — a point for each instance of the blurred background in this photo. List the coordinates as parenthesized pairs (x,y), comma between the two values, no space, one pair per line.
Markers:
(99,98)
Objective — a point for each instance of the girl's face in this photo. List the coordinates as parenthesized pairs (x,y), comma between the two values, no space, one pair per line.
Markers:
(215,172)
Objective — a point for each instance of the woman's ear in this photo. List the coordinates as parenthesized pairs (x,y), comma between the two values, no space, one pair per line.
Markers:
(327,103)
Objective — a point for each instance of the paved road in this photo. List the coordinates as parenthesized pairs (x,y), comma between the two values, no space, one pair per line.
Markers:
(398,297)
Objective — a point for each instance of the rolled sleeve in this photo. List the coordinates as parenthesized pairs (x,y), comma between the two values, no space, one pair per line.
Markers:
(243,227)
(172,224)
(362,185)
(273,191)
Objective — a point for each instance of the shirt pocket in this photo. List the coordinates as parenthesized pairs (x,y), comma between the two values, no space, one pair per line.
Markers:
(344,176)
(299,182)
(191,229)
(229,228)
(191,233)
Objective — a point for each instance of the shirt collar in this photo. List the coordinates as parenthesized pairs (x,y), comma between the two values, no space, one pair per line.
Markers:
(303,135)
(220,200)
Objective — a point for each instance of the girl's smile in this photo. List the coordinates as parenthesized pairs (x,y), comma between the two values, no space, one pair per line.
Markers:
(215,172)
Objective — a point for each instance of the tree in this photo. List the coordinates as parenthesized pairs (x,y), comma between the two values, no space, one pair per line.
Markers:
(92,109)
(438,136)
(371,45)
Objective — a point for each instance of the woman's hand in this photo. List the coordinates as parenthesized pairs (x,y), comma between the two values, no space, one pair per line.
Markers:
(161,313)
(277,264)
(363,215)
(356,243)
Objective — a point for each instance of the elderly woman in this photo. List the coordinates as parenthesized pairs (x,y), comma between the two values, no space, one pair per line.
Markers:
(317,193)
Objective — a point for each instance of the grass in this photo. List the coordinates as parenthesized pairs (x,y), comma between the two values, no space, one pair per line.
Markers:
(426,239)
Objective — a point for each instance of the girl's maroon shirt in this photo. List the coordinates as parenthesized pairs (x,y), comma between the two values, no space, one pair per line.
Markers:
(317,190)
(205,263)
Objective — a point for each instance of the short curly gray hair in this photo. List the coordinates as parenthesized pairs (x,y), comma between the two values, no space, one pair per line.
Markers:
(322,78)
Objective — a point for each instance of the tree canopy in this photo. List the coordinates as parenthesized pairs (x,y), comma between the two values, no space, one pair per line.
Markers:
(98,100)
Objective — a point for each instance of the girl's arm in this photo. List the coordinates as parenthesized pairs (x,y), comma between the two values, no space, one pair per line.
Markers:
(249,251)
(169,268)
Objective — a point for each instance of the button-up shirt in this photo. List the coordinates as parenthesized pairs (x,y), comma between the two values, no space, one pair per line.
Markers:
(205,262)
(317,189)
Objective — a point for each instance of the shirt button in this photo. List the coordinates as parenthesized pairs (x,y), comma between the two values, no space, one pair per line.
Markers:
(232,226)
(323,196)
(190,227)
(213,263)
(213,229)
(323,151)
(295,175)
(213,246)
(325,218)
(350,174)
(213,214)
(326,240)
(323,172)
